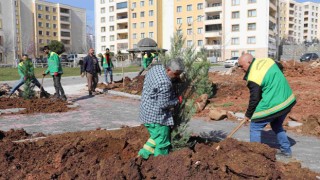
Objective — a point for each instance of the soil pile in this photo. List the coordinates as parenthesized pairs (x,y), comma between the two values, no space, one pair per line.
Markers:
(34,105)
(112,155)
(132,86)
(296,69)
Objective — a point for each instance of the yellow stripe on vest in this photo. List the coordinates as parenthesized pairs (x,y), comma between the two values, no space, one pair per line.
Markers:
(274,109)
(152,141)
(259,69)
(148,148)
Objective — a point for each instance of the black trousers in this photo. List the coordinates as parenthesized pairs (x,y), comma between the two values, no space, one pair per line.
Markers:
(57,85)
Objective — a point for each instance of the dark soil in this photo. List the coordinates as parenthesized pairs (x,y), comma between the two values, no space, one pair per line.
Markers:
(112,155)
(34,105)
(132,86)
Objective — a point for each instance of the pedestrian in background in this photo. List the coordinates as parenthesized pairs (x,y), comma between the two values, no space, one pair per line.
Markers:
(158,98)
(107,65)
(91,69)
(55,70)
(271,99)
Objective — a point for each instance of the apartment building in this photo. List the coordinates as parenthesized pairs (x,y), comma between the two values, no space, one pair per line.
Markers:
(122,24)
(28,25)
(59,22)
(299,22)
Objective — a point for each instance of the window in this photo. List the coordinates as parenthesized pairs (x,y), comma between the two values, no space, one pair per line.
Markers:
(102,1)
(103,48)
(142,14)
(134,25)
(54,9)
(40,24)
(103,10)
(111,28)
(122,5)
(251,26)
(54,33)
(252,13)
(54,18)
(189,20)
(54,26)
(48,41)
(40,7)
(134,15)
(111,18)
(150,23)
(47,25)
(189,31)
(235,2)
(111,48)
(103,19)
(179,20)
(252,1)
(234,54)
(142,35)
(235,15)
(111,38)
(179,8)
(150,12)
(150,34)
(141,3)
(235,27)
(189,43)
(200,18)
(41,41)
(142,25)
(47,17)
(103,29)
(179,31)
(134,36)
(252,52)
(47,8)
(40,16)
(134,5)
(235,41)
(200,6)
(200,43)
(251,40)
(150,2)
(111,9)
(40,33)
(103,39)
(200,30)
(189,7)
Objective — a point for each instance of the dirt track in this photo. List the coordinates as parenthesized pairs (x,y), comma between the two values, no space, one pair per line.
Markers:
(112,155)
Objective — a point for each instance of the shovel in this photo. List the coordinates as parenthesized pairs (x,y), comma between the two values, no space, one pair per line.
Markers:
(234,131)
(42,93)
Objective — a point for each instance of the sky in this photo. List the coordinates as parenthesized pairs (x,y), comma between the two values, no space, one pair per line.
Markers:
(86,4)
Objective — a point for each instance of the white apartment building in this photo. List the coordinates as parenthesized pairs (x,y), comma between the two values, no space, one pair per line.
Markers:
(311,21)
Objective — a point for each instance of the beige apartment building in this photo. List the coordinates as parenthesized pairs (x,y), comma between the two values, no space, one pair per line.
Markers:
(299,22)
(28,25)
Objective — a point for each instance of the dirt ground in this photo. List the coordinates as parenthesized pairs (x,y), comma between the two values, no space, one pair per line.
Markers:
(35,105)
(104,154)
(233,95)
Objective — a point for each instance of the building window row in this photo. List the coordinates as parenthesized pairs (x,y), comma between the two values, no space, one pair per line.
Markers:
(142,14)
(250,40)
(251,13)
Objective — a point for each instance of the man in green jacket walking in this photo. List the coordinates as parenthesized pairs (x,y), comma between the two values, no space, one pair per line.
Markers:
(146,61)
(23,76)
(271,99)
(55,70)
(107,65)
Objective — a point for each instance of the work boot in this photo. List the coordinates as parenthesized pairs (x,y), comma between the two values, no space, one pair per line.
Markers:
(90,93)
(63,98)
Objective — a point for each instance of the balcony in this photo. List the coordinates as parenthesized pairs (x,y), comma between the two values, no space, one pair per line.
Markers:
(216,19)
(123,31)
(213,7)
(122,18)
(273,5)
(213,33)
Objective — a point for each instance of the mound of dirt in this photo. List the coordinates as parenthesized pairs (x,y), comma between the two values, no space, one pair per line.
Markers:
(132,86)
(35,105)
(112,155)
(296,69)
(13,135)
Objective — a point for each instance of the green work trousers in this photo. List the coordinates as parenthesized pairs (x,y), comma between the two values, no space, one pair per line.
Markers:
(158,143)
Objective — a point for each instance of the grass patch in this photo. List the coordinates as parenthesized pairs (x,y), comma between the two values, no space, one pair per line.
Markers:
(9,74)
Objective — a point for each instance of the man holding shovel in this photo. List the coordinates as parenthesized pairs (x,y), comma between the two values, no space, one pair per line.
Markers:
(155,109)
(23,77)
(55,70)
(271,99)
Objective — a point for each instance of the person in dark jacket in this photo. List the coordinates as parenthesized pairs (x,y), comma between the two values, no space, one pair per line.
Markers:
(271,99)
(91,69)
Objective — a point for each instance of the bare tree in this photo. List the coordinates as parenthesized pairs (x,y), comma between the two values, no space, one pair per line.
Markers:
(6,47)
(28,45)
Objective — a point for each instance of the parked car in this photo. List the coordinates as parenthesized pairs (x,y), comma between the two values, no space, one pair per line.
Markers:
(309,57)
(231,62)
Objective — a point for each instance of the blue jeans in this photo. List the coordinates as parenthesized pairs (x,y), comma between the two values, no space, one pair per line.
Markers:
(21,82)
(276,125)
(106,72)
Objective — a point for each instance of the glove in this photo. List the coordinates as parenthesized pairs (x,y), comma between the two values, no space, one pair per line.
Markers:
(180,99)
(55,74)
